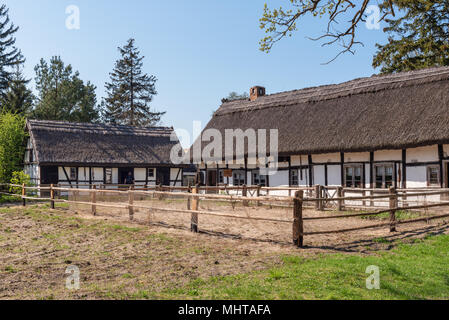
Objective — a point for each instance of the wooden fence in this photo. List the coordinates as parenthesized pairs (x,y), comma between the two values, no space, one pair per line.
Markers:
(193,196)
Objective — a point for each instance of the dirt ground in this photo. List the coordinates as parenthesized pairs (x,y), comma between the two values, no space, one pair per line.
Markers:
(156,254)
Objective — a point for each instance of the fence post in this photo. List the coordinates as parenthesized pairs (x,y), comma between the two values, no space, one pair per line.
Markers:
(93,198)
(23,195)
(245,194)
(195,206)
(258,194)
(393,206)
(189,199)
(298,225)
(339,196)
(52,197)
(161,189)
(131,202)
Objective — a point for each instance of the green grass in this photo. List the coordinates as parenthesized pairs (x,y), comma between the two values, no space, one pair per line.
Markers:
(410,271)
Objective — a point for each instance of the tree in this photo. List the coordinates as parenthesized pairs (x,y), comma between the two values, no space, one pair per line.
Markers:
(12,145)
(62,95)
(130,91)
(281,23)
(10,56)
(18,98)
(235,96)
(418,39)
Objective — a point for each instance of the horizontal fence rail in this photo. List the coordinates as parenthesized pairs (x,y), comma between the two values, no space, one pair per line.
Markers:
(317,195)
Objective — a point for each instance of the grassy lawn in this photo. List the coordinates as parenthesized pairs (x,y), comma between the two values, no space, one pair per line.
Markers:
(411,271)
(126,261)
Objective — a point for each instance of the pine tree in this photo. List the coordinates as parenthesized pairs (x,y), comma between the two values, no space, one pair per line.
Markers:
(10,56)
(18,99)
(62,95)
(130,91)
(419,38)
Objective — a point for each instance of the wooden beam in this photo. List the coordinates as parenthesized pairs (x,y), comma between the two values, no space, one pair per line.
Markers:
(404,168)
(440,160)
(342,168)
(310,170)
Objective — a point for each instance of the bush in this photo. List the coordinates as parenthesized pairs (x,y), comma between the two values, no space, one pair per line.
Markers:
(19,178)
(12,145)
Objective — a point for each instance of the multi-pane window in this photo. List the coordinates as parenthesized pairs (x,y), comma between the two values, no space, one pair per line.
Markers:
(384,176)
(108,175)
(294,179)
(150,173)
(73,174)
(433,176)
(259,179)
(353,176)
(238,178)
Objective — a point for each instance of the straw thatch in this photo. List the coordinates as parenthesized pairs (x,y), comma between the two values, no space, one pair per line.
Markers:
(396,111)
(59,142)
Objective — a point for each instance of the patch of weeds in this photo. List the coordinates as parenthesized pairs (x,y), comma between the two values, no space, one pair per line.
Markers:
(10,269)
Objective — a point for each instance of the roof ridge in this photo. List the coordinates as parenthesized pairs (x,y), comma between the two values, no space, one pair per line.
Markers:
(332,91)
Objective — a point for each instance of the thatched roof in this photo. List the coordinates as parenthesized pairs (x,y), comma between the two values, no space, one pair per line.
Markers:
(380,112)
(59,142)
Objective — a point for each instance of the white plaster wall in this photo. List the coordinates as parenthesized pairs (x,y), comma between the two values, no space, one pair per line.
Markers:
(174,174)
(356,156)
(417,177)
(446,150)
(327,157)
(305,174)
(280,178)
(115,175)
(334,175)
(97,174)
(422,154)
(367,171)
(319,175)
(299,160)
(388,155)
(140,174)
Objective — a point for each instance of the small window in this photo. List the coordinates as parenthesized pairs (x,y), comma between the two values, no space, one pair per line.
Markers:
(294,181)
(353,176)
(73,174)
(238,178)
(108,175)
(433,176)
(384,176)
(151,173)
(259,179)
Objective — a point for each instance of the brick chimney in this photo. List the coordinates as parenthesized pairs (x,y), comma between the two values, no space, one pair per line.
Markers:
(256,92)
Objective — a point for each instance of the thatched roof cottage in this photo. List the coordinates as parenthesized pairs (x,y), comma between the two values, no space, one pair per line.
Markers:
(85,154)
(371,132)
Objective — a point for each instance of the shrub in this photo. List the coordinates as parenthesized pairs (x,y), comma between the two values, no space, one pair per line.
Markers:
(19,178)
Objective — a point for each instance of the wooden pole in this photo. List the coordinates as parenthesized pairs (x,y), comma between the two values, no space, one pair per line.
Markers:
(339,196)
(258,194)
(23,195)
(298,224)
(195,206)
(393,204)
(93,199)
(244,194)
(189,199)
(52,197)
(131,202)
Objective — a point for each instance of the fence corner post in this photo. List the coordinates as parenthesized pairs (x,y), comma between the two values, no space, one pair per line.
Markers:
(195,206)
(93,198)
(131,202)
(52,196)
(298,223)
(23,195)
(393,207)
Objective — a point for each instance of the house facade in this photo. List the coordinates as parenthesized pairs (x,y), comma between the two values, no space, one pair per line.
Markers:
(375,132)
(77,154)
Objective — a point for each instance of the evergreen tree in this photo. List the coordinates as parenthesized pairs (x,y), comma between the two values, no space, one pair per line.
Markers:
(130,91)
(18,99)
(419,38)
(62,94)
(10,56)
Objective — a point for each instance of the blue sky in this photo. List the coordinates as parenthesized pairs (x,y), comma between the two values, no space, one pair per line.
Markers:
(200,50)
